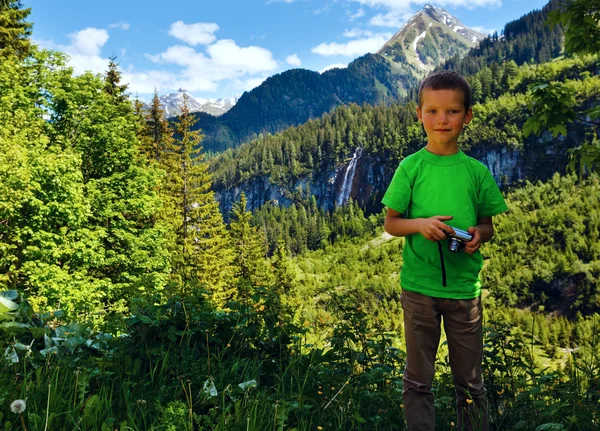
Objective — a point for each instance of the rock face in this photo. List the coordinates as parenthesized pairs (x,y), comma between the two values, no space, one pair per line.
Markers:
(364,177)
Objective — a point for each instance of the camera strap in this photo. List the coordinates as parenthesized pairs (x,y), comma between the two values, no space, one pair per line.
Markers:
(442,263)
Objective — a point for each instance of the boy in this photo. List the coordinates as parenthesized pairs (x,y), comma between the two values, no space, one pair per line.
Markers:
(433,190)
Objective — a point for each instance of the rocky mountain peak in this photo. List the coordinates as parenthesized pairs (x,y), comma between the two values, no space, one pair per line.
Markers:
(427,39)
(171,103)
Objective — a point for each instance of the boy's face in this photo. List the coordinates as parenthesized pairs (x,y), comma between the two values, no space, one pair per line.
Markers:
(443,115)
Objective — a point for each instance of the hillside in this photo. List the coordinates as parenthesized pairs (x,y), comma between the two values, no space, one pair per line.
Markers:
(296,96)
(317,155)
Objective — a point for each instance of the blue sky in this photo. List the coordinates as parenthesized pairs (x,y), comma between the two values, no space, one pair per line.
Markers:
(218,48)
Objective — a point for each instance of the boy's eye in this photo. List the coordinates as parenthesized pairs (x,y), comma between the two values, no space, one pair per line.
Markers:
(431,111)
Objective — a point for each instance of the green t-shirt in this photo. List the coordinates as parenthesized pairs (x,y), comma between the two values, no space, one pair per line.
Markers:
(427,185)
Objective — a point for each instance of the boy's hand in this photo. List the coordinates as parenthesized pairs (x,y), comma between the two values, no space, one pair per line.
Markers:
(473,245)
(433,228)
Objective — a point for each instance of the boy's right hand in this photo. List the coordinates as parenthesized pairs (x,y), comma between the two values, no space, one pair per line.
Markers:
(433,228)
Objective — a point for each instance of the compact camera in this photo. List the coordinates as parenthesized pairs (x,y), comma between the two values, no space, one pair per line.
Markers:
(458,240)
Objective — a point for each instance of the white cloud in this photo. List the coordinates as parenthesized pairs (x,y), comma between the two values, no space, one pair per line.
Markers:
(203,71)
(194,34)
(352,48)
(394,19)
(246,84)
(486,31)
(122,25)
(359,13)
(249,59)
(356,32)
(293,60)
(88,41)
(333,66)
(84,50)
(279,1)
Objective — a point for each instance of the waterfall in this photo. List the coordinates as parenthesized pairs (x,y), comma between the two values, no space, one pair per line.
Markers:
(348,177)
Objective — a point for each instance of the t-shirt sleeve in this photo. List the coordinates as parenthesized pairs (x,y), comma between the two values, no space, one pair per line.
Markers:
(491,201)
(398,193)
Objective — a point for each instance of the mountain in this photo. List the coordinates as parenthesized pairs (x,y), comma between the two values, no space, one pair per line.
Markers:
(353,151)
(428,38)
(171,103)
(296,96)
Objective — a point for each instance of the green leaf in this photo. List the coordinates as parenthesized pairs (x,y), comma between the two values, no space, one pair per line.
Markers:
(550,427)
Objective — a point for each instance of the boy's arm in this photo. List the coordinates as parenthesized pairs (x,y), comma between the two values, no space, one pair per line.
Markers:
(483,232)
(430,228)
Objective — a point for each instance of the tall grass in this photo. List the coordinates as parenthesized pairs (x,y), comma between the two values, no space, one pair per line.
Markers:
(184,365)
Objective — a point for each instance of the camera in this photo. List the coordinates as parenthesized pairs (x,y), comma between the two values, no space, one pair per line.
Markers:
(458,240)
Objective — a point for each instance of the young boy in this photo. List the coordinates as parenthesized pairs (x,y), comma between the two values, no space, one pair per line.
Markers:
(432,191)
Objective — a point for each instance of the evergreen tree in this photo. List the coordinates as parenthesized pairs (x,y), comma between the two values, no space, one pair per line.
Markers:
(113,84)
(204,258)
(14,30)
(249,250)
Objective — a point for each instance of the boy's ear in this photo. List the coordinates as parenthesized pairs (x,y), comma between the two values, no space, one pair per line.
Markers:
(469,116)
(419,116)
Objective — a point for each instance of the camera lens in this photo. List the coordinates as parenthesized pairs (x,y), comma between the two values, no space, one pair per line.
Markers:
(453,245)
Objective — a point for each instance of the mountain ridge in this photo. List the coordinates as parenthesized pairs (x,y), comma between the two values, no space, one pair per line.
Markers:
(298,95)
(171,103)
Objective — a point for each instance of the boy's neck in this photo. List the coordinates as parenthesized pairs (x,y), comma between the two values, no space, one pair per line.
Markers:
(438,150)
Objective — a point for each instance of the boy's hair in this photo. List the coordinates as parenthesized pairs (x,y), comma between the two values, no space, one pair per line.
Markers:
(446,80)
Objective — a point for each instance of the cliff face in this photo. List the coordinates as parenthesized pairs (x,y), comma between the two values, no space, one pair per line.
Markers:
(364,178)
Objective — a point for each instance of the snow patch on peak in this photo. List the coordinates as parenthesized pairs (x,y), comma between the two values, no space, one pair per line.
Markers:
(414,46)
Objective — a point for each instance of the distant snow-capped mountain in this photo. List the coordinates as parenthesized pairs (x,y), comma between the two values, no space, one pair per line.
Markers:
(171,104)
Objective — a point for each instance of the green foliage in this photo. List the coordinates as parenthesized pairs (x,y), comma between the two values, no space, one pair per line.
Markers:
(545,250)
(204,256)
(580,19)
(552,109)
(14,30)
(551,104)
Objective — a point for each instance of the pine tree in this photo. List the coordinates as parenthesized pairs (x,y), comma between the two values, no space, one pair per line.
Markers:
(14,30)
(204,258)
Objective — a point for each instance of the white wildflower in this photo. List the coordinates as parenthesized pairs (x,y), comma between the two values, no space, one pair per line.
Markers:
(18,406)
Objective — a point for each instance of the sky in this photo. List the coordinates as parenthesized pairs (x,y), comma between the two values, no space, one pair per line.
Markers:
(221,48)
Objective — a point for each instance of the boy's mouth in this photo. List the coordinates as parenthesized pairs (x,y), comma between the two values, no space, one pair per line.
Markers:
(442,130)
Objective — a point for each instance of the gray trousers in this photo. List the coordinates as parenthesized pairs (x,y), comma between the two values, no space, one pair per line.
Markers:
(462,323)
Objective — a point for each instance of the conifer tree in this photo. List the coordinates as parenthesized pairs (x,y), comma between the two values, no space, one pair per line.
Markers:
(113,86)
(249,249)
(14,30)
(204,257)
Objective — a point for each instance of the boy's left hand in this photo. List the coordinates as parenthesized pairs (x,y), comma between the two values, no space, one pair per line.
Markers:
(473,245)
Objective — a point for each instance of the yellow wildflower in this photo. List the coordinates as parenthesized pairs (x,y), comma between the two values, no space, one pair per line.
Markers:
(500,392)
(469,401)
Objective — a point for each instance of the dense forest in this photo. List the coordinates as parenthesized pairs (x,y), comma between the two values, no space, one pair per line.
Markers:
(127,302)
(295,96)
(385,134)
